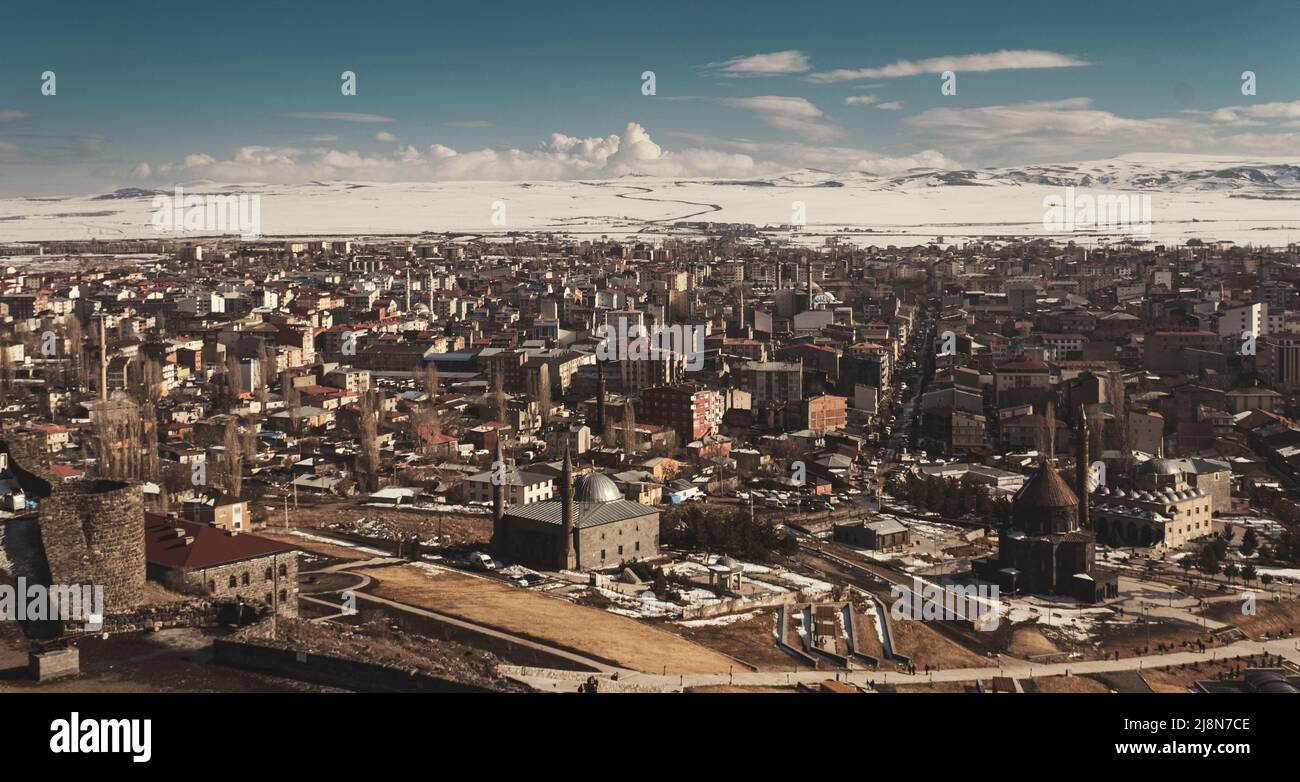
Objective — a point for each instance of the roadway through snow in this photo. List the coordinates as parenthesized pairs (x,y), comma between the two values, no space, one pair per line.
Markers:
(638,188)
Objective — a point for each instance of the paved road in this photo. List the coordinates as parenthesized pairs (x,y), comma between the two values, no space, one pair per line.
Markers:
(565,681)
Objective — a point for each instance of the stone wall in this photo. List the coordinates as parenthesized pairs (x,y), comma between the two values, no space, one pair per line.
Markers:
(93,533)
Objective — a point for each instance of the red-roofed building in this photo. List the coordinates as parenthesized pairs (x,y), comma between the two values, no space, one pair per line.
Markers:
(193,557)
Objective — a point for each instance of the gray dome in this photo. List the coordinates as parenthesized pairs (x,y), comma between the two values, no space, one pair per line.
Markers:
(1160,467)
(595,487)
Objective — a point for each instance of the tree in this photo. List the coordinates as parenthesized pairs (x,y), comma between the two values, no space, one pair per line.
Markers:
(232,462)
(629,428)
(1249,541)
(1249,573)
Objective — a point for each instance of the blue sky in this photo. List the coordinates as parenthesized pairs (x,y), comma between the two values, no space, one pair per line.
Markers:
(152,93)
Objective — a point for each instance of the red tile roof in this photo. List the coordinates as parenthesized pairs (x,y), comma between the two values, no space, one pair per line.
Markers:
(165,547)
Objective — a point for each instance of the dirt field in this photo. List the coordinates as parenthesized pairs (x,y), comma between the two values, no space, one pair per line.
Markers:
(1070,684)
(1281,618)
(929,647)
(1029,641)
(452,529)
(601,634)
(749,640)
(1178,679)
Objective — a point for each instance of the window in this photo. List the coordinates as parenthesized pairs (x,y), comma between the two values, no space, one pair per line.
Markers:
(212,586)
(245,579)
(232,582)
(620,551)
(269,574)
(284,570)
(284,595)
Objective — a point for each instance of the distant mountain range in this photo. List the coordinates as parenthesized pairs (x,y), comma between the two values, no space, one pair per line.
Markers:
(1243,200)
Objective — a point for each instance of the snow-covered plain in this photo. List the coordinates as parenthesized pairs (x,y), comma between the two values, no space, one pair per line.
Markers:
(1248,201)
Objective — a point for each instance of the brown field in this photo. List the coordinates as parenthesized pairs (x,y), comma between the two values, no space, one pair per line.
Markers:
(930,647)
(1178,679)
(1280,618)
(936,687)
(1070,684)
(450,528)
(317,547)
(1028,641)
(748,640)
(547,619)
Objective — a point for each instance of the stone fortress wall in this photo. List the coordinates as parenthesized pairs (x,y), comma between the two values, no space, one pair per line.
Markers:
(92,531)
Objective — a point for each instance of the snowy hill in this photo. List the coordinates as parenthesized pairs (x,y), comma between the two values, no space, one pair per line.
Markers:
(1243,200)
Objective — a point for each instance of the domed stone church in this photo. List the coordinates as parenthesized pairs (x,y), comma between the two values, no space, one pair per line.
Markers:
(1049,547)
(591,527)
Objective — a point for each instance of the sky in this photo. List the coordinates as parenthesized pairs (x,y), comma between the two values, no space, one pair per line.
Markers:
(153,94)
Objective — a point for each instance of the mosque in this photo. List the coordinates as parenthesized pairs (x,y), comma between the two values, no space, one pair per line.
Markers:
(591,527)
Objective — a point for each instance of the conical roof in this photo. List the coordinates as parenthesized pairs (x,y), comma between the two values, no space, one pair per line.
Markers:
(1046,489)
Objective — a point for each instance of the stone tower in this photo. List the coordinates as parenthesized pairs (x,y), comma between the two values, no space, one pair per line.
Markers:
(566,511)
(499,533)
(1081,479)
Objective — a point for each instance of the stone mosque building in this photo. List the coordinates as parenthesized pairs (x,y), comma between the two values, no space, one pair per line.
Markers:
(1161,509)
(591,526)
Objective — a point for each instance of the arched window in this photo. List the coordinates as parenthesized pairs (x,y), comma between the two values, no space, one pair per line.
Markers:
(284,570)
(269,574)
(212,586)
(284,595)
(232,582)
(245,578)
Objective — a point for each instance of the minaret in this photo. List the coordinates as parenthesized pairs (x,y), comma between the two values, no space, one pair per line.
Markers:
(498,499)
(103,361)
(408,289)
(807,269)
(566,511)
(1081,470)
(600,396)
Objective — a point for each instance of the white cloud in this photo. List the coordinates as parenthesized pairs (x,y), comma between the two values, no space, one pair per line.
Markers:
(793,115)
(861,100)
(341,116)
(769,64)
(561,157)
(893,105)
(467,123)
(993,61)
(780,156)
(386,137)
(1258,111)
(1057,130)
(9,115)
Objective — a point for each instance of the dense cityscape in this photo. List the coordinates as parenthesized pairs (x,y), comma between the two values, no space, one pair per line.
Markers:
(724,462)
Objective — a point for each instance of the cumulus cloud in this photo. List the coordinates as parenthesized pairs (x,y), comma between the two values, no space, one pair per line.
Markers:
(793,115)
(769,64)
(561,157)
(386,137)
(993,61)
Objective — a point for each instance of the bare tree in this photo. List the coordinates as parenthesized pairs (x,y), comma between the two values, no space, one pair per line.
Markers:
(232,460)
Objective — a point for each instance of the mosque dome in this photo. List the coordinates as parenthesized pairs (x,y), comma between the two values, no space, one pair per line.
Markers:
(595,487)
